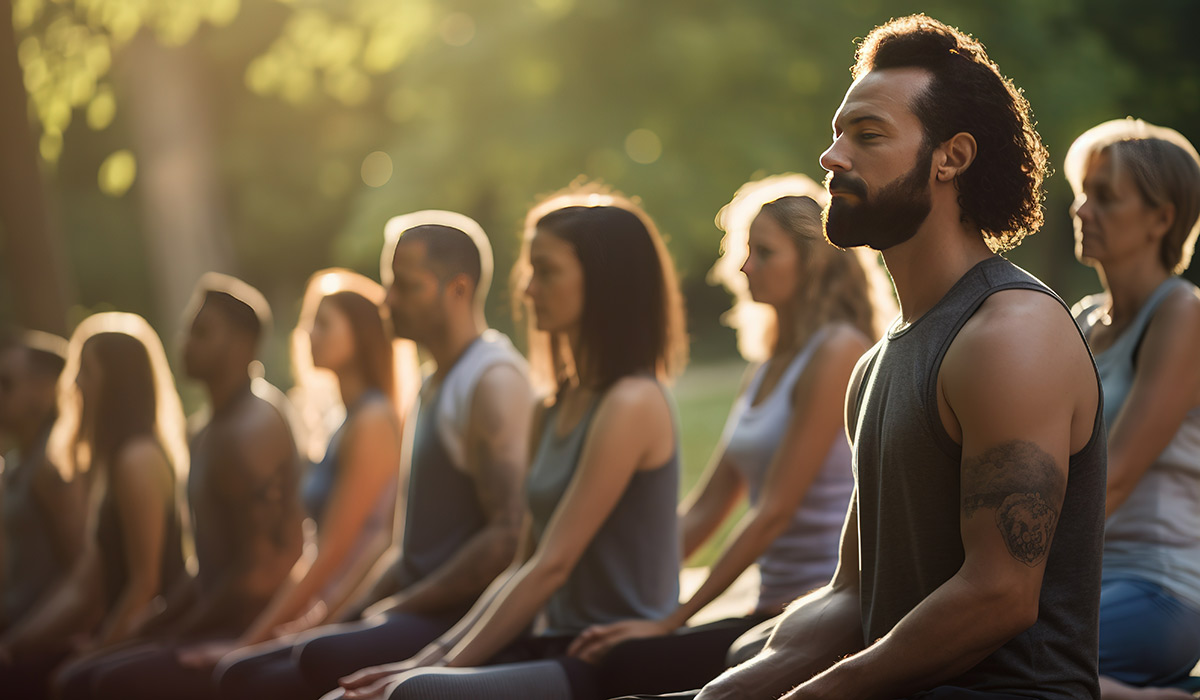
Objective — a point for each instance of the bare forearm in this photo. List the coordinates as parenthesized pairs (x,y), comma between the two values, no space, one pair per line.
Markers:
(123,619)
(460,580)
(381,581)
(508,614)
(950,632)
(63,615)
(284,605)
(810,637)
(751,538)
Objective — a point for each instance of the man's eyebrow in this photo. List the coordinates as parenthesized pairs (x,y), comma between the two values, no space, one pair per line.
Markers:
(859,119)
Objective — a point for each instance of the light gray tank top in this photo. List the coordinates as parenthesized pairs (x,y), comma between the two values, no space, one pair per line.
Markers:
(1155,534)
(804,556)
(630,569)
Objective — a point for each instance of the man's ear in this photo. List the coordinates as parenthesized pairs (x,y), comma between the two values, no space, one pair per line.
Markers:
(954,156)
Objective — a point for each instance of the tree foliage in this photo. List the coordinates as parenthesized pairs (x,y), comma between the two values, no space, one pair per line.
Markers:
(334,115)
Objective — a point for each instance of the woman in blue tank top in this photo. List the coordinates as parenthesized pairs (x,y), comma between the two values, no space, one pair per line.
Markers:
(603,546)
(805,311)
(347,364)
(120,431)
(1136,211)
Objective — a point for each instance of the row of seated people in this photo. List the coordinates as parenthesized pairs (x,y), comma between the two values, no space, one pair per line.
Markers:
(535,546)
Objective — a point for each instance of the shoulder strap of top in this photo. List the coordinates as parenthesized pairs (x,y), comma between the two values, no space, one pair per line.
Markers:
(1141,322)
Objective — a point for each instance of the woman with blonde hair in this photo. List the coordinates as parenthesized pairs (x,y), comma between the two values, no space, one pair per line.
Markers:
(350,371)
(805,312)
(1137,214)
(121,431)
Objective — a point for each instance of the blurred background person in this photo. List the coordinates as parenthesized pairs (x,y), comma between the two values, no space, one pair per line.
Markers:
(604,476)
(242,498)
(349,370)
(805,311)
(1137,204)
(41,523)
(120,430)
(465,464)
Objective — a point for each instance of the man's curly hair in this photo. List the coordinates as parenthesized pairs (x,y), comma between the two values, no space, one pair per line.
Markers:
(1001,192)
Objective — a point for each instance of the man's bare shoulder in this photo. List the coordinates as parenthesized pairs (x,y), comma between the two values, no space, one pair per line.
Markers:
(1020,354)
(1020,327)
(262,414)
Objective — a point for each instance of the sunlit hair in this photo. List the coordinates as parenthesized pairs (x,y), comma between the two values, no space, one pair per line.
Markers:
(1163,165)
(831,284)
(137,396)
(387,364)
(241,304)
(396,227)
(633,320)
(1001,192)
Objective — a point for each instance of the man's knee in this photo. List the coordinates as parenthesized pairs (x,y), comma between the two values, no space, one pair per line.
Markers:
(749,644)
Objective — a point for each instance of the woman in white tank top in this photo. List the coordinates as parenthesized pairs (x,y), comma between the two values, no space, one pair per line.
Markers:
(1136,211)
(804,312)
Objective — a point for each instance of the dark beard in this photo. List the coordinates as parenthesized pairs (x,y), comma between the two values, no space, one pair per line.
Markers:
(890,218)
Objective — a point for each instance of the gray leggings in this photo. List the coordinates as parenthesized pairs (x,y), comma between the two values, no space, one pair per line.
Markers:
(534,667)
(546,680)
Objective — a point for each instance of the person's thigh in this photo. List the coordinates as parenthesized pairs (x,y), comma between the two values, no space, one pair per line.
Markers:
(76,678)
(545,680)
(262,671)
(689,658)
(1147,636)
(155,673)
(343,649)
(748,645)
(685,695)
(28,675)
(947,692)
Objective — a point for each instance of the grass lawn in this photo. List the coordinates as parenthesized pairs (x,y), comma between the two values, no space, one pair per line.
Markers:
(704,395)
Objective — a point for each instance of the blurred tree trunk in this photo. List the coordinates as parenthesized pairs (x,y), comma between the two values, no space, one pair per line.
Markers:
(33,252)
(167,102)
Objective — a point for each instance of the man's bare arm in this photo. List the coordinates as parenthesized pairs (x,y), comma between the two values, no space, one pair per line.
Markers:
(497,456)
(255,472)
(1023,397)
(811,636)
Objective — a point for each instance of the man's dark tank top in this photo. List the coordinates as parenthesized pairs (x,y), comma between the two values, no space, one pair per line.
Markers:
(907,469)
(443,509)
(111,538)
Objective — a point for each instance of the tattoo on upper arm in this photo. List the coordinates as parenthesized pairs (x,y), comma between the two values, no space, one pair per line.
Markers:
(1022,483)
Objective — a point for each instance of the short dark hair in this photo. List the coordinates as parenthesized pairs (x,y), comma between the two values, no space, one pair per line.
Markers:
(236,312)
(46,352)
(450,252)
(1001,192)
(243,306)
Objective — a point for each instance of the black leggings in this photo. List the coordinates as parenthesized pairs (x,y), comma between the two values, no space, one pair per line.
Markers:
(312,666)
(28,675)
(145,672)
(944,692)
(689,658)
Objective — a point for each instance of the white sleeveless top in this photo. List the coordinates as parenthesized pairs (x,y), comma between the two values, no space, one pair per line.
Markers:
(1155,534)
(805,555)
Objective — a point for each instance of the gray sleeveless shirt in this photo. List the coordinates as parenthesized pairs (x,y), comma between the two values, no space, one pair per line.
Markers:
(630,569)
(1155,534)
(443,510)
(907,471)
